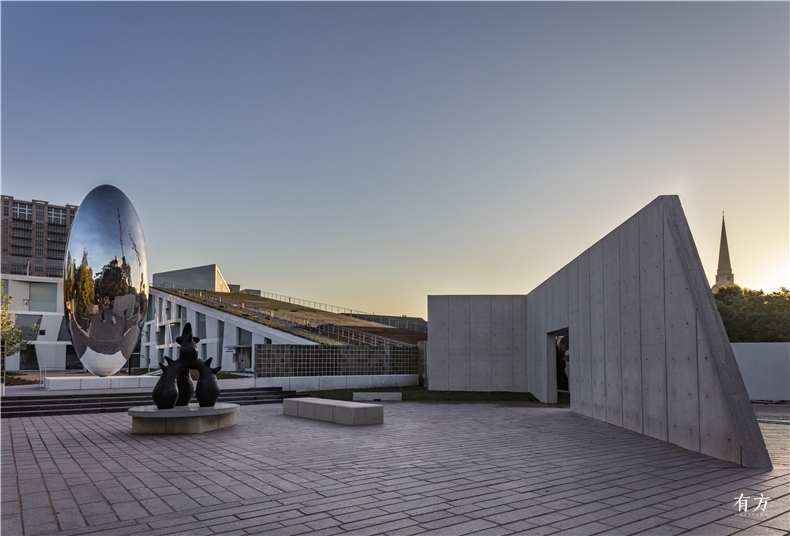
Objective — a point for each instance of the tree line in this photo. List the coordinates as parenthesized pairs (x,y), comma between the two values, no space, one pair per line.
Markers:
(754,316)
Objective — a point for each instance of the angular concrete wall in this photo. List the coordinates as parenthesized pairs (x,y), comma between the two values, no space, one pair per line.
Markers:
(648,349)
(477,343)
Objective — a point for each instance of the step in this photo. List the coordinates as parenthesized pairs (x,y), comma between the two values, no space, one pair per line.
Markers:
(32,406)
(107,395)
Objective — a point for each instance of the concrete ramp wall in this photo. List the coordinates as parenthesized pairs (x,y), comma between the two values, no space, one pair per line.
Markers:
(477,343)
(648,349)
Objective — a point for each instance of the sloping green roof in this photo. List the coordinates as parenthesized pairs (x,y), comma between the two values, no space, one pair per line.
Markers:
(232,297)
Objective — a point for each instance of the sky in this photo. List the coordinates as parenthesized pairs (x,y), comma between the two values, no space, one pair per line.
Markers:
(368,155)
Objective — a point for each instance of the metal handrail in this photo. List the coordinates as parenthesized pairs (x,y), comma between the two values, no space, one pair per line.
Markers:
(342,310)
(293,321)
(379,319)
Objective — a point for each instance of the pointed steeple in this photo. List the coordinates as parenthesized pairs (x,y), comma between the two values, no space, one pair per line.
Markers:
(724,274)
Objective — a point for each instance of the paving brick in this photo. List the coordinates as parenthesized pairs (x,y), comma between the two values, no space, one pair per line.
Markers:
(520,468)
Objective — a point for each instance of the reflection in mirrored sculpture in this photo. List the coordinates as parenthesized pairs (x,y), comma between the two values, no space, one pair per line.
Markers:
(105,280)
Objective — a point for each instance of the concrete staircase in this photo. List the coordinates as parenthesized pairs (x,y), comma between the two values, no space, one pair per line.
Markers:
(63,404)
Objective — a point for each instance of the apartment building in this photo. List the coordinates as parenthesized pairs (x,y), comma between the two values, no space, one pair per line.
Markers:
(34,237)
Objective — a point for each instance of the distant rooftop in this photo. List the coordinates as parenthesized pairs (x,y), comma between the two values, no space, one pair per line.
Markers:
(206,277)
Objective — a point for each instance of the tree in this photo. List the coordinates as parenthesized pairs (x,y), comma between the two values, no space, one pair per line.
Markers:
(753,316)
(85,290)
(13,339)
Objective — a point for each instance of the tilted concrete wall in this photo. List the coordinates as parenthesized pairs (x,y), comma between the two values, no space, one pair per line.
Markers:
(477,343)
(648,350)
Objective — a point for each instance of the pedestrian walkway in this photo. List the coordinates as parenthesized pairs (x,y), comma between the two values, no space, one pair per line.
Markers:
(434,468)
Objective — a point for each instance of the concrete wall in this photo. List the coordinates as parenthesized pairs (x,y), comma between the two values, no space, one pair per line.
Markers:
(765,368)
(648,350)
(477,343)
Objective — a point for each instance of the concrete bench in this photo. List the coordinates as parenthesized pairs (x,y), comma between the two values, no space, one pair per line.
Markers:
(339,411)
(377,397)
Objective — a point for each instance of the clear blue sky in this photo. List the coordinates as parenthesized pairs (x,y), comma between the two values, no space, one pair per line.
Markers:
(370,154)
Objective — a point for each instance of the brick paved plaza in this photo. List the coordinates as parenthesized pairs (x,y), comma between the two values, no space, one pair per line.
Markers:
(510,468)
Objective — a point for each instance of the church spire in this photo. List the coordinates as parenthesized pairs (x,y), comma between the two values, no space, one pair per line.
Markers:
(724,274)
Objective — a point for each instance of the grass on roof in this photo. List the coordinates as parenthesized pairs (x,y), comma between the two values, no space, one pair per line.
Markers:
(320,339)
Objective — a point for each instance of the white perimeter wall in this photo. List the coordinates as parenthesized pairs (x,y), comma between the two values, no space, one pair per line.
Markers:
(765,367)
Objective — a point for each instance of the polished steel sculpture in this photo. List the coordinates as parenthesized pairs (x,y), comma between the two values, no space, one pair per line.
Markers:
(105,278)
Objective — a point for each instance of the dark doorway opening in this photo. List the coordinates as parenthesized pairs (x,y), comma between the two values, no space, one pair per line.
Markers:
(72,359)
(28,359)
(562,356)
(562,375)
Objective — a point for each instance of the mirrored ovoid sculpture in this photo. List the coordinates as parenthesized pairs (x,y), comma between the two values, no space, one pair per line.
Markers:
(105,278)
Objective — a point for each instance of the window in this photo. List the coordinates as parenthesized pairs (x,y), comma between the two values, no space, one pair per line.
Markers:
(40,243)
(29,325)
(39,234)
(44,297)
(201,325)
(151,309)
(221,336)
(243,337)
(57,215)
(267,340)
(39,214)
(175,330)
(5,209)
(23,211)
(39,252)
(63,334)
(39,226)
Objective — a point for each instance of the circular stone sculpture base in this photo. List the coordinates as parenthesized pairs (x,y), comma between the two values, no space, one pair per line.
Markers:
(191,419)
